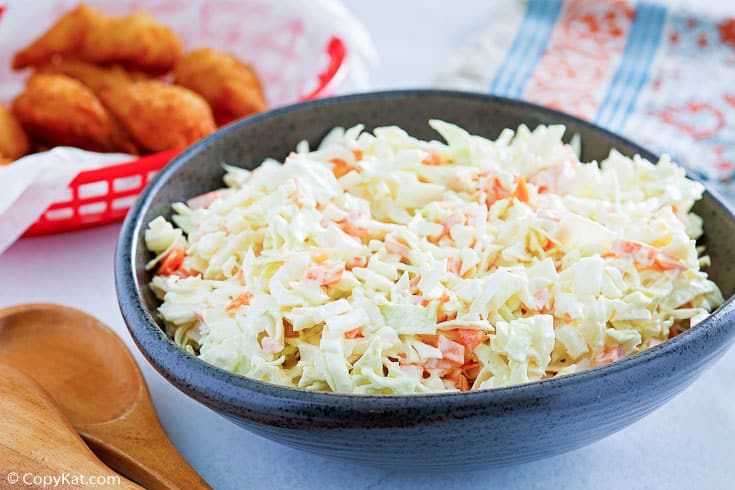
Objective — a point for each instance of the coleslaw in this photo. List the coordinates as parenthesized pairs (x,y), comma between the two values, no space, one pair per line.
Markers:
(383,264)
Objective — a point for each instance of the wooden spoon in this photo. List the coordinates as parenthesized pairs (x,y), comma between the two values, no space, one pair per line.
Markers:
(39,442)
(98,386)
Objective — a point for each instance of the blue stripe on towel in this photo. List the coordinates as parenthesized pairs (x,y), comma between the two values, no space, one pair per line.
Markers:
(531,39)
(633,71)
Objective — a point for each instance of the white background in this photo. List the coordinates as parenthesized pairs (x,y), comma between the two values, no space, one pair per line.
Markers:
(689,443)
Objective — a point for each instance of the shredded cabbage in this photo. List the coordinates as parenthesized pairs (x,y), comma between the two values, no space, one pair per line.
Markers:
(383,264)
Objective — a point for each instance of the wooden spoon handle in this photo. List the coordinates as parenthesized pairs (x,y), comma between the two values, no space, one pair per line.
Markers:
(38,440)
(136,446)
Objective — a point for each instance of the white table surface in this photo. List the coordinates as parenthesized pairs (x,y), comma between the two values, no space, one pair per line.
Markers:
(688,443)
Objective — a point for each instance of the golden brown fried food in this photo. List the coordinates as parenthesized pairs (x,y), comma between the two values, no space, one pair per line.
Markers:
(64,37)
(136,41)
(5,161)
(14,142)
(159,116)
(59,110)
(93,76)
(229,85)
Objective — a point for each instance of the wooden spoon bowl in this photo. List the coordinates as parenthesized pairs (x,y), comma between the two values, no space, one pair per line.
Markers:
(98,386)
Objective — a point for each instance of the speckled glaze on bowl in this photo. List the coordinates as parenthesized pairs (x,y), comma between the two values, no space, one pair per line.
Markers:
(427,432)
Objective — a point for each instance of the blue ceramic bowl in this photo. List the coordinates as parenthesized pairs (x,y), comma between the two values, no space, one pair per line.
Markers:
(483,428)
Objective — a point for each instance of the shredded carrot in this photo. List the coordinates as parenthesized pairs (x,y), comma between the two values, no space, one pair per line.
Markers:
(288,330)
(610,354)
(432,340)
(445,317)
(240,274)
(627,247)
(242,300)
(358,154)
(665,262)
(647,256)
(451,350)
(434,160)
(351,229)
(414,282)
(454,265)
(456,376)
(355,333)
(203,201)
(394,246)
(326,273)
(469,338)
(495,193)
(567,318)
(448,222)
(358,261)
(341,167)
(521,190)
(477,176)
(444,298)
(471,369)
(184,272)
(172,262)
(439,364)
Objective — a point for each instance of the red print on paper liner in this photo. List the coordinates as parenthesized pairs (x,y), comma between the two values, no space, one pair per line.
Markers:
(727,32)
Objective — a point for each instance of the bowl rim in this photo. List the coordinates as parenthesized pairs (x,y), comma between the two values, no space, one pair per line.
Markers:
(232,393)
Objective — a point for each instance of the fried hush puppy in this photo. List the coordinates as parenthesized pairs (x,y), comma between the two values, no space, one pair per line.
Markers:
(229,85)
(64,37)
(159,116)
(58,110)
(14,142)
(96,77)
(136,41)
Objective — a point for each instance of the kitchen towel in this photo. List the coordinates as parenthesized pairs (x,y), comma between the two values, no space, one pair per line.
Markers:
(660,73)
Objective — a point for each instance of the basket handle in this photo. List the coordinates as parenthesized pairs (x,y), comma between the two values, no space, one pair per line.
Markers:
(337,52)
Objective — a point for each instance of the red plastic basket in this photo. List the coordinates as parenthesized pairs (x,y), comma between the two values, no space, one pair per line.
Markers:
(105,195)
